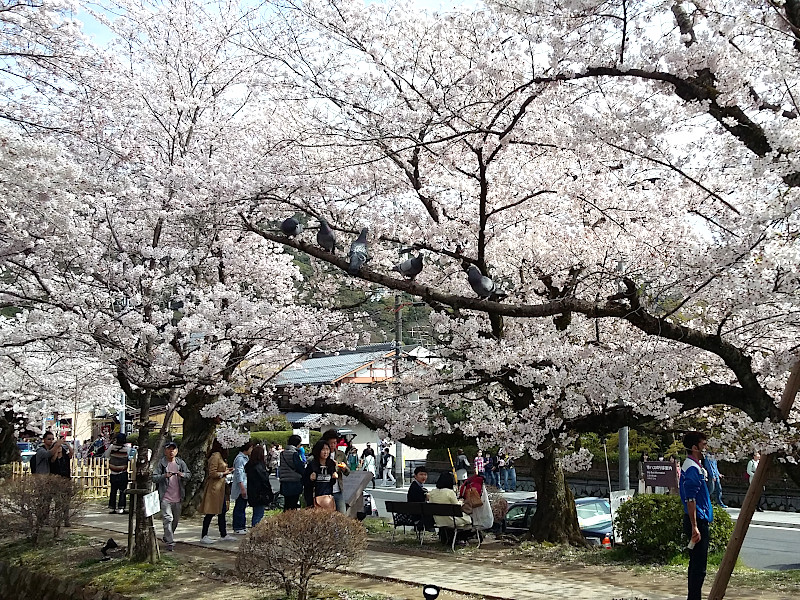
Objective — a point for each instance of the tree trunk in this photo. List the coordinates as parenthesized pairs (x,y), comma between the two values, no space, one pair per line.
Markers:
(556,519)
(8,439)
(144,540)
(198,433)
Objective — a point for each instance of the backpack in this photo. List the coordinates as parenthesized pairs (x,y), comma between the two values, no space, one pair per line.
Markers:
(32,463)
(472,490)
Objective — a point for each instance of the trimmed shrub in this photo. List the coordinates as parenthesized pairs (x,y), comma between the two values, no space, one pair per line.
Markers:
(41,501)
(292,547)
(280,437)
(652,525)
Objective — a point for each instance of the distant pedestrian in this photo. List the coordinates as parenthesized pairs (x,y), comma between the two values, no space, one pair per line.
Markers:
(752,465)
(117,455)
(46,454)
(714,479)
(388,468)
(369,465)
(320,477)
(508,472)
(239,489)
(259,489)
(291,468)
(213,502)
(698,513)
(479,463)
(368,451)
(462,465)
(352,459)
(170,477)
(331,437)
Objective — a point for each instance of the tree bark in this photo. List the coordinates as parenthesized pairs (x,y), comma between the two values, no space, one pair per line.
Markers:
(556,519)
(144,539)
(8,440)
(198,433)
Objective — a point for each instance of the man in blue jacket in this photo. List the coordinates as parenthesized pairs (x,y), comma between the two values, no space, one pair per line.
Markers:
(714,480)
(697,510)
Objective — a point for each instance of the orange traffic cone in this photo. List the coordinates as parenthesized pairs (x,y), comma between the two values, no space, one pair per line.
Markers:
(607,543)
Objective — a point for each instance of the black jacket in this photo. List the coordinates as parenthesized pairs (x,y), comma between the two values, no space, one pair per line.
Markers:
(259,489)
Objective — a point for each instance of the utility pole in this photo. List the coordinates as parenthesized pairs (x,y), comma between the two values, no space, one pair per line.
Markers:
(624,460)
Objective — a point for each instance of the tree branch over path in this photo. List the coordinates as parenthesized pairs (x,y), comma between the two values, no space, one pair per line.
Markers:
(758,403)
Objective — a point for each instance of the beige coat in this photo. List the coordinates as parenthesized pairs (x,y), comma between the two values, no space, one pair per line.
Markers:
(214,486)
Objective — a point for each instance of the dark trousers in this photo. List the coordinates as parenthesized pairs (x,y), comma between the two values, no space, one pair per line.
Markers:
(223,527)
(239,518)
(698,557)
(119,483)
(291,502)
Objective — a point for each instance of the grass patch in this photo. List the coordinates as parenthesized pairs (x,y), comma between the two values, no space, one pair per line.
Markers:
(128,578)
(377,525)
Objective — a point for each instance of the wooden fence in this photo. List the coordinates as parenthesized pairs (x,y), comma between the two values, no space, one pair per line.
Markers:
(91,473)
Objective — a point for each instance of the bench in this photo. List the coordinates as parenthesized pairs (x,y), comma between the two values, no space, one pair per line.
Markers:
(408,514)
(449,510)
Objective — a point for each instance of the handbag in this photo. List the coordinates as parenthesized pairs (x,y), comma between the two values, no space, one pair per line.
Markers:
(325,502)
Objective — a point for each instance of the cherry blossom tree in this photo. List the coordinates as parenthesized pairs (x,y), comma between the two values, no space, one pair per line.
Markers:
(627,174)
(120,240)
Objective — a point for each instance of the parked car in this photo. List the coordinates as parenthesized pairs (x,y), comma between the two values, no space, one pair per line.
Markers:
(594,518)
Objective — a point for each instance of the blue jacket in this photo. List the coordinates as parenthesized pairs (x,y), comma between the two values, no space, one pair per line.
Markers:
(713,469)
(693,487)
(239,475)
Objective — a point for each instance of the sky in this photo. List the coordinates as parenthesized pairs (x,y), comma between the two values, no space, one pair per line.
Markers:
(101,35)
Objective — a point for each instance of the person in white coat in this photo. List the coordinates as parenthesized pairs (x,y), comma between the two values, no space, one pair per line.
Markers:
(388,469)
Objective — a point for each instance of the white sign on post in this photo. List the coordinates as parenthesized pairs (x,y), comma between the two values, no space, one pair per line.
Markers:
(152,505)
(618,498)
(305,435)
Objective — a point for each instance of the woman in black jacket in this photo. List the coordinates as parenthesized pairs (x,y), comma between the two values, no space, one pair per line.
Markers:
(259,490)
(319,477)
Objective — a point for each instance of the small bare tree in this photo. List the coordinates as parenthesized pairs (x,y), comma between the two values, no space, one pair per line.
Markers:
(41,501)
(294,546)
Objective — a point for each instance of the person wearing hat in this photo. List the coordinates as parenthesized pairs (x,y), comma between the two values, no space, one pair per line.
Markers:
(117,455)
(170,477)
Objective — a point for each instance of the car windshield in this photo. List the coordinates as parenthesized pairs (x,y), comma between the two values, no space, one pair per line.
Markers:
(590,513)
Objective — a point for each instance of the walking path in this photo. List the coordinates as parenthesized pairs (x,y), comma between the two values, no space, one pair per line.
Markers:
(473,575)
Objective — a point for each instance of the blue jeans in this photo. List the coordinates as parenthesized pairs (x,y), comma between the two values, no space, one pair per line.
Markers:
(716,492)
(338,498)
(258,514)
(489,477)
(512,474)
(239,518)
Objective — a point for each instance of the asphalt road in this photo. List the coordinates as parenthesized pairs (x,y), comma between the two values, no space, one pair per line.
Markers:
(768,547)
(771,548)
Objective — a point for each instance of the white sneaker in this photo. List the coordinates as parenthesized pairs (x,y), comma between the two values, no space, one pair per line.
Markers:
(120,511)
(240,531)
(207,540)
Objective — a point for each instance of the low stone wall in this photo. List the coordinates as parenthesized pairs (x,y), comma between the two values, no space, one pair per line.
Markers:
(18,582)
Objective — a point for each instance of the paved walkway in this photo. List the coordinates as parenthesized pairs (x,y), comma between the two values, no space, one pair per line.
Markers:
(469,574)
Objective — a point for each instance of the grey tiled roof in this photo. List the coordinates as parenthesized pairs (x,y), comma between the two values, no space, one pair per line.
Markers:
(332,367)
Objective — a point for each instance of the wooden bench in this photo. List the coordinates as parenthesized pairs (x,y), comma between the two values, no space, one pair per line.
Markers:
(408,514)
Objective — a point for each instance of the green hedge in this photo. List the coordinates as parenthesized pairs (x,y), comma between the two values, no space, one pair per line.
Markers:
(262,437)
(280,437)
(652,525)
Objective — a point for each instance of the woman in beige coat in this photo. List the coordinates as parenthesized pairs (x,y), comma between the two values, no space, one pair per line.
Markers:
(214,491)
